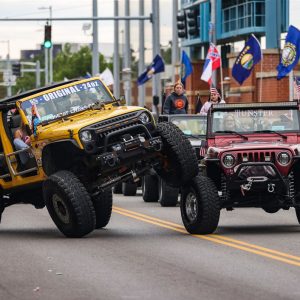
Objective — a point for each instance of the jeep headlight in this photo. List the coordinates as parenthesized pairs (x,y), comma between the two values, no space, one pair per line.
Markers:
(86,136)
(144,118)
(228,160)
(284,158)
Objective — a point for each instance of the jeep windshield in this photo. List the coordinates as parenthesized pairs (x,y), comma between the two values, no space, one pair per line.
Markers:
(66,101)
(250,120)
(191,126)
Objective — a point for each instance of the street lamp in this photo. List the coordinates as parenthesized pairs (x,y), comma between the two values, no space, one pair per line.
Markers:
(8,69)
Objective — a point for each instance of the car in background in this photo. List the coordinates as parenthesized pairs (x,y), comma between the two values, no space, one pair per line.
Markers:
(154,188)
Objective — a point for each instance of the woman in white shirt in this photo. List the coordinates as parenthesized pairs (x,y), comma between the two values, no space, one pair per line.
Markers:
(214,98)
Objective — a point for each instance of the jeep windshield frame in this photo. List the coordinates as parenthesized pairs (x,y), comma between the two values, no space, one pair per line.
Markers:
(249,119)
(55,104)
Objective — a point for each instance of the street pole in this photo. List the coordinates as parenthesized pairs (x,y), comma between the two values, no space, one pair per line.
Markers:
(127,54)
(38,74)
(156,86)
(116,88)
(213,38)
(95,59)
(9,72)
(51,52)
(175,48)
(46,66)
(141,99)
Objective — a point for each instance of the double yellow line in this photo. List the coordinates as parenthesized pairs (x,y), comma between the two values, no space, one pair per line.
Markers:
(215,238)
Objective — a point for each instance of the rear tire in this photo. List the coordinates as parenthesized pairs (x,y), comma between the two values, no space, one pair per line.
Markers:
(103,207)
(199,206)
(298,214)
(69,204)
(129,188)
(180,163)
(168,195)
(150,188)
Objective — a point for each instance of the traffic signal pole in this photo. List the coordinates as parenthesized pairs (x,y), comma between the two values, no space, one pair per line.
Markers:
(175,48)
(95,58)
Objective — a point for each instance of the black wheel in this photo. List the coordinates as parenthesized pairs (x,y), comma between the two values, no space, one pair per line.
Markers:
(129,188)
(180,164)
(271,209)
(117,189)
(103,207)
(298,214)
(150,188)
(199,206)
(168,195)
(69,204)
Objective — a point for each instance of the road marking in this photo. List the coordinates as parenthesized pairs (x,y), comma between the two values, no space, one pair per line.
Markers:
(230,242)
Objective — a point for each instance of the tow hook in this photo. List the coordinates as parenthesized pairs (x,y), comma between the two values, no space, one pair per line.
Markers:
(246,187)
(271,187)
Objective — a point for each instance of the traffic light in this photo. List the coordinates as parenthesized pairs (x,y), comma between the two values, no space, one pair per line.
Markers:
(47,39)
(181,25)
(16,69)
(192,23)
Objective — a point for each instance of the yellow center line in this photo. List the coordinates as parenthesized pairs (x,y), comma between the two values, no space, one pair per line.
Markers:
(262,251)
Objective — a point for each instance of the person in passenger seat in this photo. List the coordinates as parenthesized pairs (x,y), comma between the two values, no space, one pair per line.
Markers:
(22,141)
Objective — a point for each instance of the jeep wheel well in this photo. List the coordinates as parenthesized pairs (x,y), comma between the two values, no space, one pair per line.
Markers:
(60,156)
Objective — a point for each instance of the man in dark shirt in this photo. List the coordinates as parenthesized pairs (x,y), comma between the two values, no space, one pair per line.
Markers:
(176,103)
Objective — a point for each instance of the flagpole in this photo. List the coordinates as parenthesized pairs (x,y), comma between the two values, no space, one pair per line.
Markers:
(221,74)
(261,63)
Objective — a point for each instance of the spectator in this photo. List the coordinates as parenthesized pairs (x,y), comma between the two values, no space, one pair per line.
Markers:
(176,103)
(214,98)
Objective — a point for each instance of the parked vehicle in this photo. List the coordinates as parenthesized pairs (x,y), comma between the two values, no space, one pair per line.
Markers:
(154,188)
(253,160)
(83,142)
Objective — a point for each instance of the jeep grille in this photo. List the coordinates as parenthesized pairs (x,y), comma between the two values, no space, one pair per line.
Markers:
(256,156)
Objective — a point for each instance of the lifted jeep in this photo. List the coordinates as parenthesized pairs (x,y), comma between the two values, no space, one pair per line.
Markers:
(253,160)
(83,141)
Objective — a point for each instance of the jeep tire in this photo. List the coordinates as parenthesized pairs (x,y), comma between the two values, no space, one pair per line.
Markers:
(297,209)
(168,195)
(199,206)
(129,188)
(69,204)
(103,207)
(150,188)
(180,164)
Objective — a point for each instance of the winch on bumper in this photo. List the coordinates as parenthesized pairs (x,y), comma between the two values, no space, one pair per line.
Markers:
(257,177)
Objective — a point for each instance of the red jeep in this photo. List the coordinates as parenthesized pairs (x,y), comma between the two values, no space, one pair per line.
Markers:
(253,160)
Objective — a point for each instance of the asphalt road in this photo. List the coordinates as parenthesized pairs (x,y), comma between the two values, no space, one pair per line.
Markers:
(145,253)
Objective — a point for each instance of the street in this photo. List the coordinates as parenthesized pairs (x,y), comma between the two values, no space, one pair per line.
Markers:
(145,253)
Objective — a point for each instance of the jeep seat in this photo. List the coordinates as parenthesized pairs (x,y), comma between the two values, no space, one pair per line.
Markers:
(14,124)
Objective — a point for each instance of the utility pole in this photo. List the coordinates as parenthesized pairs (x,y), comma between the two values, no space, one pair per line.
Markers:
(175,48)
(51,52)
(156,85)
(95,59)
(38,74)
(141,98)
(116,52)
(127,56)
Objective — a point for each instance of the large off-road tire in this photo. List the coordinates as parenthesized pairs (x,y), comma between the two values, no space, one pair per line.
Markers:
(199,206)
(180,163)
(103,207)
(150,188)
(69,204)
(298,214)
(168,195)
(129,188)
(271,209)
(117,189)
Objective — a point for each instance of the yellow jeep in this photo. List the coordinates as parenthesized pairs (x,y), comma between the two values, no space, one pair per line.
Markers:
(66,145)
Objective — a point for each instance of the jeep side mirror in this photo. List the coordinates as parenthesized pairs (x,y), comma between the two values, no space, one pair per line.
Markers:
(122,100)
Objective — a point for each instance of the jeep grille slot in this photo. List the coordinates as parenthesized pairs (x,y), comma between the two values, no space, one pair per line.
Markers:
(256,156)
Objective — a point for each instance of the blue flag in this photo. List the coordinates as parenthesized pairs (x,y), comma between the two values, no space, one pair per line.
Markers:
(156,66)
(246,60)
(186,67)
(290,52)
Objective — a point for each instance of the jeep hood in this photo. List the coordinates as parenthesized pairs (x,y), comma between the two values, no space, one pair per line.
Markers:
(73,123)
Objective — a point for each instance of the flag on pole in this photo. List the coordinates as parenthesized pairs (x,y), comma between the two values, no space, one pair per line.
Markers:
(107,77)
(212,62)
(290,53)
(297,88)
(156,66)
(186,67)
(246,60)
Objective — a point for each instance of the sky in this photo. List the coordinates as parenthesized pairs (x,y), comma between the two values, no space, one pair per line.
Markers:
(29,34)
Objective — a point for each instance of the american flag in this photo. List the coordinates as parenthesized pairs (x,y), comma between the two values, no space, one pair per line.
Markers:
(297,88)
(203,148)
